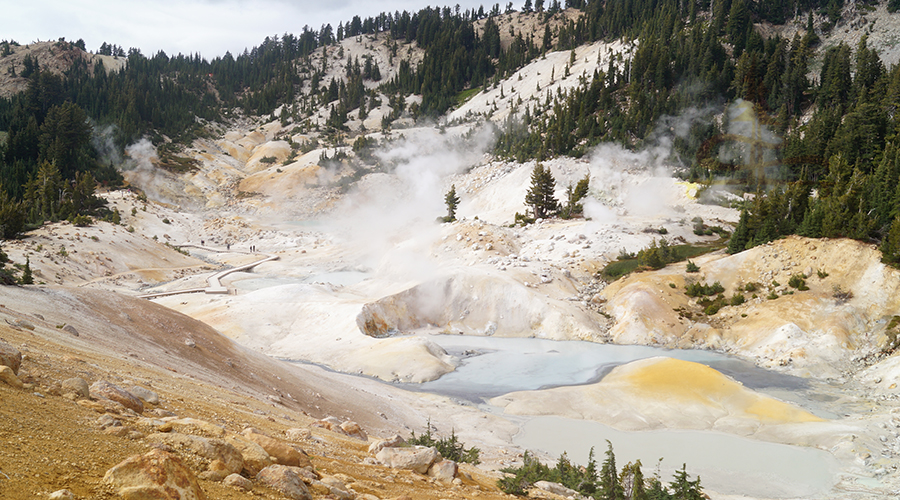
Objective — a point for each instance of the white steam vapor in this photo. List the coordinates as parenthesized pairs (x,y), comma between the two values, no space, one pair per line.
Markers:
(139,170)
(393,216)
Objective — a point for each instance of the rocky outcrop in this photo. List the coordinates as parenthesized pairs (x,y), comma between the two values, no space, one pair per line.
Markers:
(112,392)
(154,475)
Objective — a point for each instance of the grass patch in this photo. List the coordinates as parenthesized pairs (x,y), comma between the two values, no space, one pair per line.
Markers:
(465,95)
(628,262)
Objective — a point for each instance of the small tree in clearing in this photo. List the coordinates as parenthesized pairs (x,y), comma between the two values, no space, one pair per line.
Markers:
(540,195)
(452,201)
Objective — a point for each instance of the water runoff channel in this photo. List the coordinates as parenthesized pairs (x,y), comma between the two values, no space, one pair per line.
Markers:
(726,463)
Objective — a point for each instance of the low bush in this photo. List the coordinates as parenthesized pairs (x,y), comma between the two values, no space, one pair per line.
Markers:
(449,448)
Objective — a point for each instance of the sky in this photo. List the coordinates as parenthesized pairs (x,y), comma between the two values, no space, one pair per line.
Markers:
(210,27)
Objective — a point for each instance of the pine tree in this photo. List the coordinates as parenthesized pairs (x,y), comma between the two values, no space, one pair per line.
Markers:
(540,195)
(27,278)
(452,201)
(609,485)
(890,247)
(741,235)
(683,488)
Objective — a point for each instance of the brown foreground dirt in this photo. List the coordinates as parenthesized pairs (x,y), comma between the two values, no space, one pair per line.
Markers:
(49,442)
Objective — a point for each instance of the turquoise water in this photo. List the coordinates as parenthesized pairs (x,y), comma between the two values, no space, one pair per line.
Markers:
(492,366)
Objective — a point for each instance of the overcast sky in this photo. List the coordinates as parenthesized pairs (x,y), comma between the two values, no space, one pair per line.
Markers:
(210,27)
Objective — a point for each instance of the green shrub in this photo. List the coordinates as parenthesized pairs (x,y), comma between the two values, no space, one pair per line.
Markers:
(798,281)
(691,267)
(772,296)
(736,299)
(166,221)
(449,448)
(822,274)
(751,287)
(82,220)
(700,290)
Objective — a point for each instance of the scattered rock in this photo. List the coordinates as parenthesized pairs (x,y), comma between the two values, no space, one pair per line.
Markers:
(145,395)
(238,481)
(103,405)
(557,489)
(154,475)
(104,389)
(353,429)
(78,386)
(209,448)
(256,458)
(282,452)
(390,442)
(10,356)
(21,324)
(417,458)
(159,412)
(285,480)
(8,376)
(297,434)
(443,470)
(106,420)
(193,426)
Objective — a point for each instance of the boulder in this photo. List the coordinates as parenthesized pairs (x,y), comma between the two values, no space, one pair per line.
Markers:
(209,448)
(103,405)
(154,475)
(216,471)
(285,480)
(104,389)
(256,458)
(61,495)
(330,491)
(145,395)
(417,458)
(282,452)
(238,481)
(390,442)
(78,386)
(443,470)
(10,356)
(353,429)
(332,424)
(8,376)
(557,489)
(70,329)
